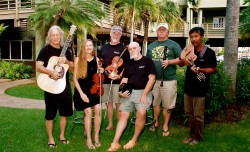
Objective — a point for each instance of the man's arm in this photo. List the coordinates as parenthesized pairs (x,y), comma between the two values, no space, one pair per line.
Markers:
(149,86)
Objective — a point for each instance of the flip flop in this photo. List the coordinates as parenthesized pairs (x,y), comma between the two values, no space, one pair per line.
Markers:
(165,133)
(114,147)
(130,145)
(153,127)
(52,145)
(91,147)
(97,144)
(64,141)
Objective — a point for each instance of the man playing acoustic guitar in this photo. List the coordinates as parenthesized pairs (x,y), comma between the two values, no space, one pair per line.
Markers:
(199,67)
(55,102)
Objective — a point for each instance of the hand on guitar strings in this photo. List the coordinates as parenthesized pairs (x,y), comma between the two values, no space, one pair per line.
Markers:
(54,75)
(84,97)
(164,63)
(194,69)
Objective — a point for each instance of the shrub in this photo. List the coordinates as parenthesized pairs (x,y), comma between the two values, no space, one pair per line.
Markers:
(11,70)
(243,82)
(216,98)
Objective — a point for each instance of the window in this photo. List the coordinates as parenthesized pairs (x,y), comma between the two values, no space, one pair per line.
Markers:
(16,50)
(219,22)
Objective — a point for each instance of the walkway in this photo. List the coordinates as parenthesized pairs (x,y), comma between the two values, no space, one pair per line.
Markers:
(10,101)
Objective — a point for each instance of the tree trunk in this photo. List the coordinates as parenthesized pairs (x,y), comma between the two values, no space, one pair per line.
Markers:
(132,27)
(231,43)
(145,39)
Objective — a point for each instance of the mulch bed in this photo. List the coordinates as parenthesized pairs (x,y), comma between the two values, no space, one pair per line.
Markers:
(233,113)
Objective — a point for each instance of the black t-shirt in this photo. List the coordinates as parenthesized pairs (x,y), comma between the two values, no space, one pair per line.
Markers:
(108,52)
(45,54)
(193,86)
(137,72)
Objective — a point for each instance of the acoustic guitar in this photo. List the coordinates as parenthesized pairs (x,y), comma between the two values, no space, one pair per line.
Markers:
(56,86)
(188,53)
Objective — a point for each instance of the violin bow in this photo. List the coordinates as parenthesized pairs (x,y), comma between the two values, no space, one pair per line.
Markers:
(100,82)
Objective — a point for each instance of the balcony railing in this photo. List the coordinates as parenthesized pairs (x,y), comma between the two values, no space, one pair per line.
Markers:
(21,5)
(20,11)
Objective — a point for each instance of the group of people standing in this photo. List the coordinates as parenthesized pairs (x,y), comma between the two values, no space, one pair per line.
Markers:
(134,85)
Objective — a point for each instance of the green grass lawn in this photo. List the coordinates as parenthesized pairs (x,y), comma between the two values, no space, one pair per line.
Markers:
(23,130)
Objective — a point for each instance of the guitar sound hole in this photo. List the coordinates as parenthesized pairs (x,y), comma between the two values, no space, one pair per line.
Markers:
(60,70)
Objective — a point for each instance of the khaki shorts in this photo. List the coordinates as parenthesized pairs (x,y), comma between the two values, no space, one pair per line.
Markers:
(166,95)
(132,102)
(114,97)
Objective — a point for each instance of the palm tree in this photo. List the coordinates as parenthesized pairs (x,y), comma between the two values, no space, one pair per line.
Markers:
(245,21)
(82,13)
(231,43)
(2,28)
(132,12)
(142,12)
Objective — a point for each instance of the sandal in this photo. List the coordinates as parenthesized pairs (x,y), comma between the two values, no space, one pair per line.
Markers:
(64,141)
(194,142)
(165,133)
(153,127)
(130,145)
(97,144)
(187,140)
(52,145)
(114,147)
(90,146)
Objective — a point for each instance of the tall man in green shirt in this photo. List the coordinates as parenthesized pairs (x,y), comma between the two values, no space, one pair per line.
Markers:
(165,53)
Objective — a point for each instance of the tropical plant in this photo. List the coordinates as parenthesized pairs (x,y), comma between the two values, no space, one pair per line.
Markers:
(84,14)
(245,21)
(142,12)
(2,28)
(132,12)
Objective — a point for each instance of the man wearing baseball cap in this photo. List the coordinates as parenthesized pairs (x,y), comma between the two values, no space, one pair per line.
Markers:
(107,53)
(165,54)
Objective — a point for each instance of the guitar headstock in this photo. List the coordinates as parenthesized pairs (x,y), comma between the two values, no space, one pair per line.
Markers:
(72,29)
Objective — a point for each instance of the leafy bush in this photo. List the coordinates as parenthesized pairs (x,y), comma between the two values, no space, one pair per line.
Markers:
(218,97)
(215,99)
(243,82)
(11,70)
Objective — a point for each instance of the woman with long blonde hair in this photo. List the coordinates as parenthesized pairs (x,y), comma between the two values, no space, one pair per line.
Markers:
(85,67)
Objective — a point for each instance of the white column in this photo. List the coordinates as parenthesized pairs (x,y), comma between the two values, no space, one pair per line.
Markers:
(200,13)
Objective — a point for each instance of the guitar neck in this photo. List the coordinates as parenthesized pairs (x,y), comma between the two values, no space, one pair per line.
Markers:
(65,46)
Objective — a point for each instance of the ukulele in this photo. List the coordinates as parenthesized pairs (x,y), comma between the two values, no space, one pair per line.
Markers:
(45,82)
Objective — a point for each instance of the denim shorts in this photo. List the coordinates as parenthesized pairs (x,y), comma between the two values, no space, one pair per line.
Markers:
(133,102)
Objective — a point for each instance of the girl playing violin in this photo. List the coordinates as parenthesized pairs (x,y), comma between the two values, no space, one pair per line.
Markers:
(85,67)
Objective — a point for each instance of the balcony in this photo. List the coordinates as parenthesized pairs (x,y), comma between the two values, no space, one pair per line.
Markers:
(19,11)
(182,30)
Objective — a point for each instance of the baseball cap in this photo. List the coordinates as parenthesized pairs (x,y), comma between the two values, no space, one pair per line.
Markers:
(162,25)
(116,28)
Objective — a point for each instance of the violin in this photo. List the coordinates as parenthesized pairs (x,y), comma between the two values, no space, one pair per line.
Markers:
(112,70)
(98,79)
(97,88)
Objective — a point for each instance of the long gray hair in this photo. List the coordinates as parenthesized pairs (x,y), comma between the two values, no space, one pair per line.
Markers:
(48,39)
